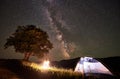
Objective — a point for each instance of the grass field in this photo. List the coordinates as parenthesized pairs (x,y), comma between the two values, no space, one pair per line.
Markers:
(53,72)
(19,69)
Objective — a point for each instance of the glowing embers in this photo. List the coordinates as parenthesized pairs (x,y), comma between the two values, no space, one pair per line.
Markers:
(46,65)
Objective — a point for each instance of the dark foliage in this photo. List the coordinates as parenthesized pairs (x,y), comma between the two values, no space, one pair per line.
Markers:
(30,40)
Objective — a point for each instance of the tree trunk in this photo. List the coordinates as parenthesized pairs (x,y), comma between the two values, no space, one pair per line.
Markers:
(27,56)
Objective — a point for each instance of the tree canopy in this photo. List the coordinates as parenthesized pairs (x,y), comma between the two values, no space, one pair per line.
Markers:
(30,40)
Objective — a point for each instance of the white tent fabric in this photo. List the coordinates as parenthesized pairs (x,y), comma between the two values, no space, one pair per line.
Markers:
(88,65)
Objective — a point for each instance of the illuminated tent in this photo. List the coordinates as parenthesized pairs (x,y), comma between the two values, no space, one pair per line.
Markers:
(89,65)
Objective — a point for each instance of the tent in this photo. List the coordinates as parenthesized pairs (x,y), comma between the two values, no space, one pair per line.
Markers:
(89,65)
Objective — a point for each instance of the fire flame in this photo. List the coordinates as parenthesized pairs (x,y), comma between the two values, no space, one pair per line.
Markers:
(46,64)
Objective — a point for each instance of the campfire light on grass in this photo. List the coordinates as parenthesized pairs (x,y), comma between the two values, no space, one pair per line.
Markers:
(45,68)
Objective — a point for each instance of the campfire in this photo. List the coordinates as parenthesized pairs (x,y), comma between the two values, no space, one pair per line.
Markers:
(46,64)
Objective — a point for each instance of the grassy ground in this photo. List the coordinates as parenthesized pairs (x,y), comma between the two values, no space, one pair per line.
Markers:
(53,72)
(6,74)
(19,69)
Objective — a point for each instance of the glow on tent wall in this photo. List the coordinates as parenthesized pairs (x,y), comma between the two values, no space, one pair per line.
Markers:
(89,65)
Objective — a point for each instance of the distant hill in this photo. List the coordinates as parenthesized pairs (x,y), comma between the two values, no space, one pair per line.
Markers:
(67,64)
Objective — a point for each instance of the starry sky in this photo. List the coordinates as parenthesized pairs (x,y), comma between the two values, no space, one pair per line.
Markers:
(75,27)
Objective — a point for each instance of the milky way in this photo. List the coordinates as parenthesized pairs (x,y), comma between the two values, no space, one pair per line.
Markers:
(57,23)
(75,27)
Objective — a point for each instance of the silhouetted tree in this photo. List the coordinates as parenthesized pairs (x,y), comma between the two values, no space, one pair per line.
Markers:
(30,41)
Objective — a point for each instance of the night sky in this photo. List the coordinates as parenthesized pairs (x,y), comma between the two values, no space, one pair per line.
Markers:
(75,27)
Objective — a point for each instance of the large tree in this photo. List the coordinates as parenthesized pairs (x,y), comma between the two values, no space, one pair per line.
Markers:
(29,40)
